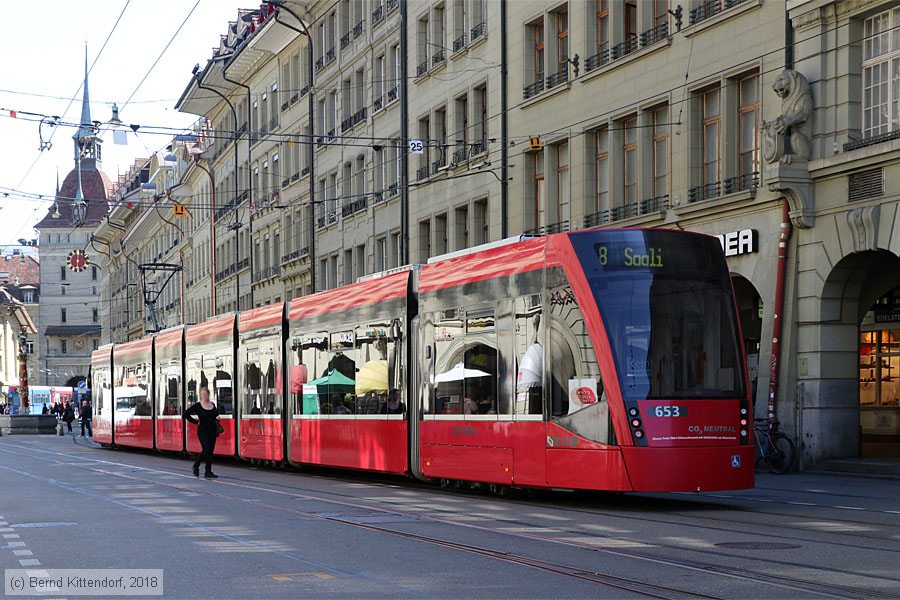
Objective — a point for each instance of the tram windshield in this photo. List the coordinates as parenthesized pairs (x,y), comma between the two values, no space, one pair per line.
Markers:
(665,300)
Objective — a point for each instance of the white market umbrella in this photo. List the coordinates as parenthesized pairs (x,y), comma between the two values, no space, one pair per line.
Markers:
(459,373)
(531,368)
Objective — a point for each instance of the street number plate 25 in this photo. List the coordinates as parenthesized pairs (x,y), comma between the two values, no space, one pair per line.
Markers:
(669,411)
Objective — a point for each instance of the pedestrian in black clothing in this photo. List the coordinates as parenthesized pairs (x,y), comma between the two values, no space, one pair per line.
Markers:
(86,410)
(69,415)
(205,416)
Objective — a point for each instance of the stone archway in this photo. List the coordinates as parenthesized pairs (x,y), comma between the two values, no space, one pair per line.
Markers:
(75,380)
(854,284)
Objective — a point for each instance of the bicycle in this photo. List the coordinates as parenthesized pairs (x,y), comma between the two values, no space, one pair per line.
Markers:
(776,448)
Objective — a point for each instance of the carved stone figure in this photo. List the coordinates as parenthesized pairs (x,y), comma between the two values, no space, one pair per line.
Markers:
(786,139)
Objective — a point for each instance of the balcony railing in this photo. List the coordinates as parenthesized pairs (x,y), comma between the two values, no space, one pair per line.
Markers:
(329,218)
(359,116)
(378,197)
(439,164)
(285,182)
(741,183)
(422,69)
(478,147)
(533,89)
(285,105)
(625,48)
(459,43)
(705,192)
(304,90)
(378,104)
(654,35)
(393,189)
(871,141)
(291,256)
(710,9)
(438,57)
(598,60)
(345,40)
(392,94)
(422,173)
(378,15)
(304,171)
(480,30)
(392,4)
(294,98)
(358,29)
(273,123)
(557,78)
(330,55)
(458,158)
(346,124)
(354,207)
(626,211)
(550,229)
(320,63)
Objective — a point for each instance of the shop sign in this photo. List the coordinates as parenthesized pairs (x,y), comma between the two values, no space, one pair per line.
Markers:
(740,242)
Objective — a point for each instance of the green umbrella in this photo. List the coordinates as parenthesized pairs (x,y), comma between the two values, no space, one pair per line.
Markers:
(333,382)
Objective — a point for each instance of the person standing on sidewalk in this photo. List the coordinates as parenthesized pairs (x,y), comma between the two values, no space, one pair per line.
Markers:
(86,417)
(68,415)
(205,416)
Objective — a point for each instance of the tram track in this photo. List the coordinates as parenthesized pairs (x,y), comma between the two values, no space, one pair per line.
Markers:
(793,584)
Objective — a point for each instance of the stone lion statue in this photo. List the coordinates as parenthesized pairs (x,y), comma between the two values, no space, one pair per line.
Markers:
(787,137)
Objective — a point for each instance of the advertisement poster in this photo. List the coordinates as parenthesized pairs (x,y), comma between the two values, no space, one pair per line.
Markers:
(582,392)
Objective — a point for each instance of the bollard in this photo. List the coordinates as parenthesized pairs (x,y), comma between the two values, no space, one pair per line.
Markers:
(59,428)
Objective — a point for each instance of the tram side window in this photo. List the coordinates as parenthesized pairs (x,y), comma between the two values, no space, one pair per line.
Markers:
(308,351)
(529,356)
(325,379)
(221,386)
(261,379)
(466,362)
(170,389)
(379,351)
(132,385)
(578,399)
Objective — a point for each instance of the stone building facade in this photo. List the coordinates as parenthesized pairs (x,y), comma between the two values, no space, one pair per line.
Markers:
(771,124)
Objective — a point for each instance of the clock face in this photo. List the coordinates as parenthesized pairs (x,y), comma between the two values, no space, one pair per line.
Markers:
(79,344)
(77,260)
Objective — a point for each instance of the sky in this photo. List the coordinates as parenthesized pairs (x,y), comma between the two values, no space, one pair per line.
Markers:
(42,54)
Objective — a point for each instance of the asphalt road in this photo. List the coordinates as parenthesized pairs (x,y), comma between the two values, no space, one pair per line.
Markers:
(258,533)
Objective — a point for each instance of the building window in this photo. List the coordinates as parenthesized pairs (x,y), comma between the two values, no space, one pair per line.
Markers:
(95,344)
(62,315)
(538,161)
(380,254)
(28,296)
(602,168)
(711,123)
(94,315)
(462,227)
(660,150)
(62,273)
(603,29)
(537,32)
(360,256)
(93,273)
(480,225)
(562,182)
(881,73)
(440,234)
(629,154)
(29,347)
(660,12)
(424,241)
(562,38)
(748,116)
(630,20)
(63,347)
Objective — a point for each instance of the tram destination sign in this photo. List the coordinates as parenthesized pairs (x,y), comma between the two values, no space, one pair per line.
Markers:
(613,257)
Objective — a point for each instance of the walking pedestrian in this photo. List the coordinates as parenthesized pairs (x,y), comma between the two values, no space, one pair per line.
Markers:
(86,418)
(69,415)
(205,416)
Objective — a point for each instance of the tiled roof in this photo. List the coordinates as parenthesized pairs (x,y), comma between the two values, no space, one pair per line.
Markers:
(25,267)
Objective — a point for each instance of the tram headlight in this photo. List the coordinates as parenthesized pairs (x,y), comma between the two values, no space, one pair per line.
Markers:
(743,411)
(633,411)
(743,433)
(635,422)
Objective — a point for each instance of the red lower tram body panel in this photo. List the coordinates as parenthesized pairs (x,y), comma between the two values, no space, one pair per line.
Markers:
(366,444)
(689,469)
(262,439)
(135,431)
(169,434)
(224,443)
(102,428)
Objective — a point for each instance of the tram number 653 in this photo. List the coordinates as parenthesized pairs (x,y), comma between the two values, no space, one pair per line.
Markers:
(669,411)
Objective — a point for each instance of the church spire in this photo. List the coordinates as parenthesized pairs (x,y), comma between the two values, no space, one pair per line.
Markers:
(86,142)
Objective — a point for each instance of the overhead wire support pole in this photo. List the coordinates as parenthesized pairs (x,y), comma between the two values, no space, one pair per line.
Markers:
(404,134)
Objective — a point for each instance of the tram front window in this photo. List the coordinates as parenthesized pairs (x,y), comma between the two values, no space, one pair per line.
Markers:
(665,300)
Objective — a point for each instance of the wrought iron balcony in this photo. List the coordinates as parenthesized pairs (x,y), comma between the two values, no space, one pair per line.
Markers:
(459,43)
(392,4)
(295,177)
(655,34)
(285,105)
(550,229)
(345,40)
(359,116)
(479,30)
(358,29)
(304,171)
(320,63)
(705,192)
(378,197)
(346,124)
(354,207)
(653,205)
(378,15)
(439,164)
(304,90)
(478,147)
(378,104)
(392,94)
(330,55)
(422,172)
(422,69)
(625,48)
(438,57)
(710,9)
(285,182)
(294,98)
(330,135)
(558,78)
(458,158)
(393,189)
(273,123)
(871,141)
(741,183)
(534,89)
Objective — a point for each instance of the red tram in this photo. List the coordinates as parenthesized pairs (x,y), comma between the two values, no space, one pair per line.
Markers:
(606,360)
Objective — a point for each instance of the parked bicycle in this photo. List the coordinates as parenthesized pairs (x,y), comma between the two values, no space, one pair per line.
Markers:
(774,447)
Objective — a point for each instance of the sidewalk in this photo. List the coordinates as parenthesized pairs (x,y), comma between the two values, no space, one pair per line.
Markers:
(885,467)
